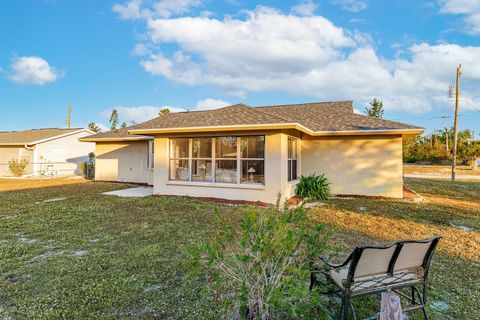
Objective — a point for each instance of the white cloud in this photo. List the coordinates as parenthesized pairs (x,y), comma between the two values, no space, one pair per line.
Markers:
(141,49)
(210,103)
(137,114)
(103,127)
(130,10)
(138,9)
(305,8)
(143,113)
(33,70)
(468,9)
(166,8)
(267,44)
(270,51)
(352,5)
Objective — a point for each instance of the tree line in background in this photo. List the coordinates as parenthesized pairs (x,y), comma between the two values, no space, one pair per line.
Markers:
(436,147)
(114,121)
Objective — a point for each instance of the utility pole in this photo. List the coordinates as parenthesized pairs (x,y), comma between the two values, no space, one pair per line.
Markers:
(68,116)
(455,124)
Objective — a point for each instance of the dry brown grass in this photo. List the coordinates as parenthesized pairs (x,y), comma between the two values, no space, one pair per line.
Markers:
(455,242)
(9,184)
(432,169)
(469,205)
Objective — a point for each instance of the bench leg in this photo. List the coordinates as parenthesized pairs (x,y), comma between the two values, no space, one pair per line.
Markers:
(312,281)
(424,301)
(353,310)
(346,306)
(344,309)
(421,298)
(424,293)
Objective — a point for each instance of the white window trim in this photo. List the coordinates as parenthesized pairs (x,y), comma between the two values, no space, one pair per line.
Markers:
(297,144)
(151,158)
(206,159)
(238,158)
(170,158)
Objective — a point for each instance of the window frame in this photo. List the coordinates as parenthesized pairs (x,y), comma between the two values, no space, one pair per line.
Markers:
(214,159)
(290,160)
(171,158)
(240,159)
(212,141)
(151,155)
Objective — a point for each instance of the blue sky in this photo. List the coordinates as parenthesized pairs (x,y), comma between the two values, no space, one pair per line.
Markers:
(138,56)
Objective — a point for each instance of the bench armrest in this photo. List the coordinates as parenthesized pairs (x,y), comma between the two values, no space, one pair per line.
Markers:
(335,266)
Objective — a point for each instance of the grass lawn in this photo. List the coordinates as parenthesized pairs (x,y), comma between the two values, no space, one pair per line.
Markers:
(91,256)
(438,169)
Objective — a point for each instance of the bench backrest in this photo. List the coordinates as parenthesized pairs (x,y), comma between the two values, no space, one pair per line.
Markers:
(390,258)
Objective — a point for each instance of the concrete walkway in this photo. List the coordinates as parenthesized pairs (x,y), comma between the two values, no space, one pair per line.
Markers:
(440,176)
(132,192)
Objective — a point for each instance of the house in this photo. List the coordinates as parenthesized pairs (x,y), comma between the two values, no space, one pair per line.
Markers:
(123,157)
(241,152)
(51,151)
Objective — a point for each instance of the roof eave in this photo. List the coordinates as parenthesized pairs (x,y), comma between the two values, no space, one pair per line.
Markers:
(403,132)
(13,144)
(221,128)
(115,139)
(31,143)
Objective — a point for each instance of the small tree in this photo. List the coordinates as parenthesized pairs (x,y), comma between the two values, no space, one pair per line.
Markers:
(17,167)
(376,109)
(261,265)
(114,119)
(90,166)
(164,111)
(124,125)
(468,152)
(94,127)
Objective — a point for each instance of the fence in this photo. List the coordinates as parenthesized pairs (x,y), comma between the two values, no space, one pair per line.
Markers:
(51,169)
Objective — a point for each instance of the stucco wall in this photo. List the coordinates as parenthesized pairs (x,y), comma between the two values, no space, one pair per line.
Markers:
(123,162)
(275,174)
(356,165)
(63,155)
(7,153)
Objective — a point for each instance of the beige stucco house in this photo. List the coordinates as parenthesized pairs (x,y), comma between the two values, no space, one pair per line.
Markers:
(51,151)
(253,153)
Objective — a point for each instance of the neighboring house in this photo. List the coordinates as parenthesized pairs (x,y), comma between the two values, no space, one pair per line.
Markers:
(253,153)
(51,151)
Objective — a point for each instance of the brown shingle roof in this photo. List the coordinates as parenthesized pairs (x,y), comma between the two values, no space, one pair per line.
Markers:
(319,117)
(114,135)
(332,116)
(33,135)
(237,114)
(316,117)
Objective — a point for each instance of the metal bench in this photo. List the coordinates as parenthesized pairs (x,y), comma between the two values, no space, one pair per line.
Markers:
(375,269)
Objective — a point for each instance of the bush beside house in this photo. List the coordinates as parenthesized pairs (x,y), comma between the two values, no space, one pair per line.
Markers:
(314,187)
(17,167)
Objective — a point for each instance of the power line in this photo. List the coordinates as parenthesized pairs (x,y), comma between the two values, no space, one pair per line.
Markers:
(474,107)
(422,118)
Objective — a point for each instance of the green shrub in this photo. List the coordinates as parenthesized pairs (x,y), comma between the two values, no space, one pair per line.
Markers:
(313,187)
(90,169)
(260,266)
(17,167)
(83,168)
